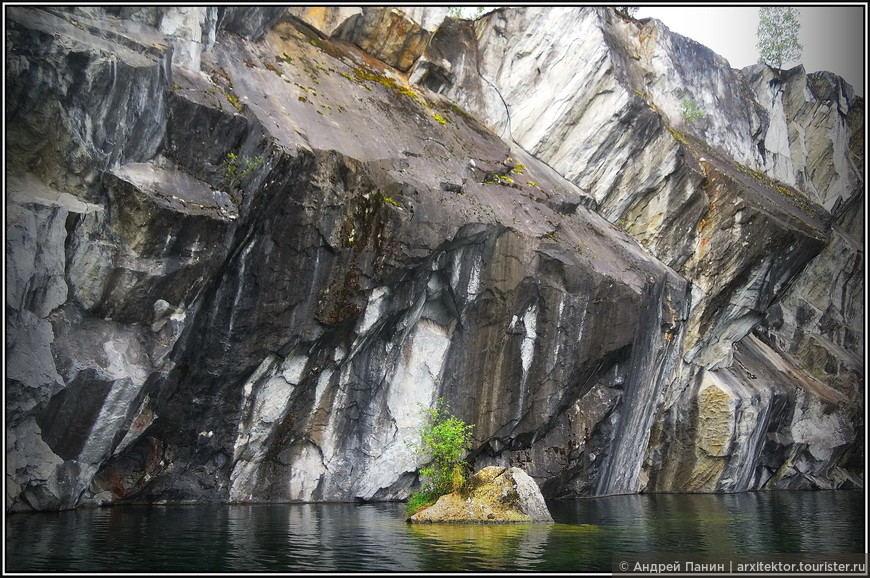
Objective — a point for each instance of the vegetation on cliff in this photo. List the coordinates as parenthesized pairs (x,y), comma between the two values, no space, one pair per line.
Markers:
(445,439)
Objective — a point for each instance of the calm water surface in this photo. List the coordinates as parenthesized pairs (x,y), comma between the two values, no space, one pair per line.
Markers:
(375,538)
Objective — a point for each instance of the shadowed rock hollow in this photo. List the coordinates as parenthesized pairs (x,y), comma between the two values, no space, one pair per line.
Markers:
(243,245)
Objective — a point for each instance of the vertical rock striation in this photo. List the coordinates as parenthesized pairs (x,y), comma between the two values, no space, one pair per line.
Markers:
(772,155)
(245,247)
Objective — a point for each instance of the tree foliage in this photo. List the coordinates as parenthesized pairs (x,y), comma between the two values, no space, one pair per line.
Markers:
(466,12)
(690,110)
(777,38)
(445,439)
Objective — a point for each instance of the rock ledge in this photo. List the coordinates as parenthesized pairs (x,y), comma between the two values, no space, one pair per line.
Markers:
(494,495)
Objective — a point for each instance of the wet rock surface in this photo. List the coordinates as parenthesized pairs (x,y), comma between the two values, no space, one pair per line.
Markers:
(244,245)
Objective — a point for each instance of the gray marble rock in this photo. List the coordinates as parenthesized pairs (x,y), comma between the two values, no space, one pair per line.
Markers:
(244,253)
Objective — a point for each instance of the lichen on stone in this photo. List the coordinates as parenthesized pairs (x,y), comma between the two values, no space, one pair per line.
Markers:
(493,495)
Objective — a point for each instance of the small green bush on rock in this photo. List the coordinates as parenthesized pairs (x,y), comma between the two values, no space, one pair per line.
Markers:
(445,439)
(236,169)
(691,111)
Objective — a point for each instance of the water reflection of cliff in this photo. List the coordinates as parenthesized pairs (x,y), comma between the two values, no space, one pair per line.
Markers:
(747,522)
(376,538)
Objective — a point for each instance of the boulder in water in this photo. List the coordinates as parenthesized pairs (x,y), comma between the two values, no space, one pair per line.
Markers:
(494,495)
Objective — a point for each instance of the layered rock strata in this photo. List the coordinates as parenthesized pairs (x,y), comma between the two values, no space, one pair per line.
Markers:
(245,246)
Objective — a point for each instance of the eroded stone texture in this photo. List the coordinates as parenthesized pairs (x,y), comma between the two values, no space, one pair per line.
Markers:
(494,495)
(388,34)
(740,432)
(813,134)
(669,184)
(238,273)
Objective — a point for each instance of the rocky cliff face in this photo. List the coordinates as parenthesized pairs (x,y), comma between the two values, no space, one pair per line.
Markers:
(245,246)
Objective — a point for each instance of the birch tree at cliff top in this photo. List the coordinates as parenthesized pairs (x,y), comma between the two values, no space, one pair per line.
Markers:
(778,29)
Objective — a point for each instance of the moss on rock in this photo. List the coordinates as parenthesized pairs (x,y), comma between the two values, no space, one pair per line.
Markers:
(494,495)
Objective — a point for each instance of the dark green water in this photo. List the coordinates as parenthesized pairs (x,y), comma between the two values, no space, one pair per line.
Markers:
(375,538)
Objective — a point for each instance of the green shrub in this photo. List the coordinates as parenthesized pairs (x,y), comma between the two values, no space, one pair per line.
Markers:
(465,12)
(236,168)
(420,500)
(691,111)
(445,439)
